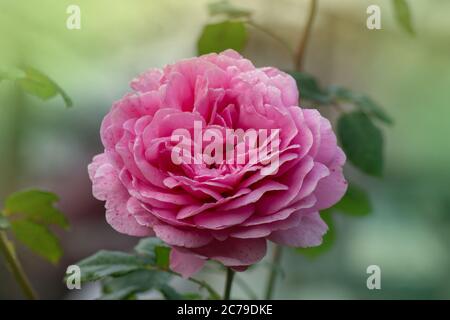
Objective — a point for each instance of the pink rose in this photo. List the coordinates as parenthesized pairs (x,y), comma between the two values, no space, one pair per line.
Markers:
(225,212)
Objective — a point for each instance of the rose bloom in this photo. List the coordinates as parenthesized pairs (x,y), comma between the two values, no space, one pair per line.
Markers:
(221,212)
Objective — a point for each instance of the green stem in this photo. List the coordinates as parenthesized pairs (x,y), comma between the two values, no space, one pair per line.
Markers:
(300,57)
(278,250)
(228,284)
(272,35)
(213,293)
(16,268)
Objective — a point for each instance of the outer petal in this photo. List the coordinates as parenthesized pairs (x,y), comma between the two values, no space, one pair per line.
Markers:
(331,189)
(186,264)
(308,233)
(235,252)
(182,238)
(106,186)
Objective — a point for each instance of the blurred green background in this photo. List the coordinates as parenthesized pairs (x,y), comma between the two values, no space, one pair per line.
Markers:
(43,144)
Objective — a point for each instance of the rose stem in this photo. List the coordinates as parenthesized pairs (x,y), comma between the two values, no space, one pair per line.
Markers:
(305,36)
(272,35)
(298,60)
(277,251)
(15,266)
(228,283)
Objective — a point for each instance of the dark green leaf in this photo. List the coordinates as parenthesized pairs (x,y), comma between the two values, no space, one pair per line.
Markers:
(369,106)
(130,284)
(363,102)
(226,8)
(38,84)
(37,206)
(327,240)
(38,238)
(362,142)
(110,263)
(340,93)
(170,293)
(221,36)
(162,256)
(309,88)
(4,222)
(355,202)
(403,15)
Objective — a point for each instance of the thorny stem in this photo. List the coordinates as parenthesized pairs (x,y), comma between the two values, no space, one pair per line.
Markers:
(228,284)
(16,268)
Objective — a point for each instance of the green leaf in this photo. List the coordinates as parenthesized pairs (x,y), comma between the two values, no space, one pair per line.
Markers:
(130,284)
(155,250)
(37,206)
(38,238)
(221,36)
(147,247)
(355,202)
(403,15)
(327,240)
(363,102)
(38,84)
(162,257)
(110,263)
(226,8)
(309,87)
(170,293)
(340,93)
(4,223)
(362,142)
(369,106)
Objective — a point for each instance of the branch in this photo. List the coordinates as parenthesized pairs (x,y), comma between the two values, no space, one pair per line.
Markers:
(16,268)
(305,36)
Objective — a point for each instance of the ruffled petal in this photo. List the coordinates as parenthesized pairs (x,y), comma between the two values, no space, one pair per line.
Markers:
(186,264)
(308,233)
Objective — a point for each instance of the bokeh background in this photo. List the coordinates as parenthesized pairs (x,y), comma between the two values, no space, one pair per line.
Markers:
(43,144)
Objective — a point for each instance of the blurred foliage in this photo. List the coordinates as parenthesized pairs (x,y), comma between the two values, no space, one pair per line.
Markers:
(35,82)
(355,202)
(30,213)
(220,36)
(362,142)
(224,7)
(403,15)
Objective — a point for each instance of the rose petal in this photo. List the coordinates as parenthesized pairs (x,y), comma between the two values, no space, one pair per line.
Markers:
(185,264)
(308,233)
